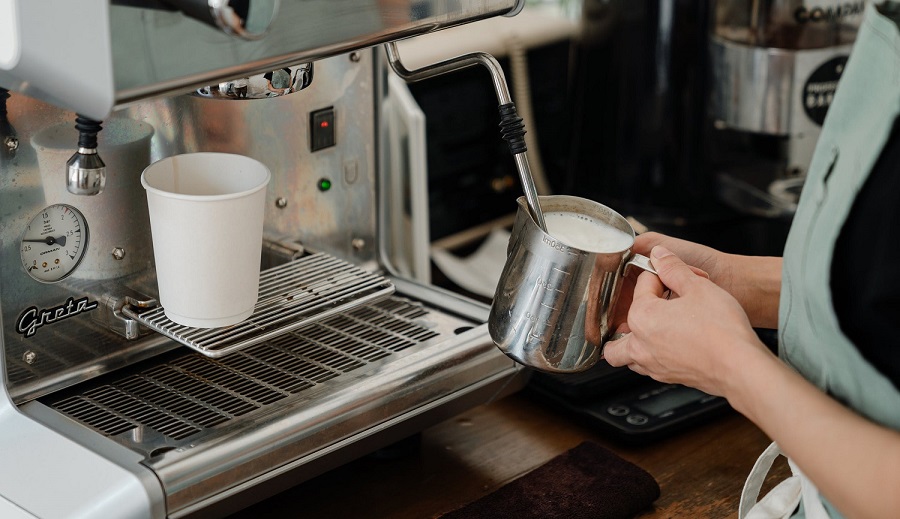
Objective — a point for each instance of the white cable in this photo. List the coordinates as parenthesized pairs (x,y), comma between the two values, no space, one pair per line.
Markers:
(518,64)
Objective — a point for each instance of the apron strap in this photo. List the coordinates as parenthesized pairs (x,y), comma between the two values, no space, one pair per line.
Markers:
(782,500)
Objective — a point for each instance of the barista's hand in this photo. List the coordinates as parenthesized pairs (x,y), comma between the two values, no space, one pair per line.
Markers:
(713,263)
(704,261)
(755,281)
(689,339)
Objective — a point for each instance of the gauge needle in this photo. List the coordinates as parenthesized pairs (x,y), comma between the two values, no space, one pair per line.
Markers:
(50,240)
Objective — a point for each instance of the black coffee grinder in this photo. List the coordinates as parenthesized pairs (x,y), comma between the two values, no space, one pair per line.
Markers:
(699,118)
(775,69)
(639,91)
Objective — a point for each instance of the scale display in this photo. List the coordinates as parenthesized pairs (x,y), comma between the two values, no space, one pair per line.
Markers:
(54,243)
(627,406)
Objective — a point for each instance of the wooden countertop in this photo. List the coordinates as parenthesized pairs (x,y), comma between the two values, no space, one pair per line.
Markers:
(700,471)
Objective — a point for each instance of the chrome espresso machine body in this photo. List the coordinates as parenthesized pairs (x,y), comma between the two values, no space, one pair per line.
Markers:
(106,412)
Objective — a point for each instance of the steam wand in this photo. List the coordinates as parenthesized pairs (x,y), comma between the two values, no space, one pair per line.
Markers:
(85,170)
(512,129)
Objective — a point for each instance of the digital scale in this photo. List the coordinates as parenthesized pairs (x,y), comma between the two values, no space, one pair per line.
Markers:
(624,405)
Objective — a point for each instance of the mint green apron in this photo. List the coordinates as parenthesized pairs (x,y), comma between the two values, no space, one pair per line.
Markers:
(857,127)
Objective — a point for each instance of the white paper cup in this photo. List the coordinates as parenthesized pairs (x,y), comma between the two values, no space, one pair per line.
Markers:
(206,218)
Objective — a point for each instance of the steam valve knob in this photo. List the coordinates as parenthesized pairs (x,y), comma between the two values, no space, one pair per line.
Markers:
(85,170)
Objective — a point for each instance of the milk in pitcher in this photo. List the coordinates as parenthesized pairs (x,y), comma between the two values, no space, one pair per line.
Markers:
(586,233)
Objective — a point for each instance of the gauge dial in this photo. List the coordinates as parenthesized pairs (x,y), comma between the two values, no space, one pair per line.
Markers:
(54,243)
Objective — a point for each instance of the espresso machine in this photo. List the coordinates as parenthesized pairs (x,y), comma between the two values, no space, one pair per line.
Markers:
(107,409)
(775,67)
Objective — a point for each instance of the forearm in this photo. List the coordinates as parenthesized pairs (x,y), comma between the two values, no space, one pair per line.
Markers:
(855,463)
(756,283)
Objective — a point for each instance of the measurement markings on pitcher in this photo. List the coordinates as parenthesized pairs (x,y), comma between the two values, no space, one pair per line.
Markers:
(530,320)
(548,284)
(558,246)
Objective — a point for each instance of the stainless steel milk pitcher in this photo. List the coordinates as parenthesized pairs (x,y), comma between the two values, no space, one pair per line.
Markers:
(554,302)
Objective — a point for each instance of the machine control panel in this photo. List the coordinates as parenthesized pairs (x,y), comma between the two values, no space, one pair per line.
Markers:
(321,129)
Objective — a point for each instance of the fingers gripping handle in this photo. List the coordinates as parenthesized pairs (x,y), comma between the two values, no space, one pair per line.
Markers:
(643,262)
(640,261)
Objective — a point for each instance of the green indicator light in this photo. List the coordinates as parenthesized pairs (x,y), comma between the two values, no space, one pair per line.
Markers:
(324,184)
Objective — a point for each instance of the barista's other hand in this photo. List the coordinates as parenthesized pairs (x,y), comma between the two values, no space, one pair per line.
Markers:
(714,264)
(704,261)
(689,339)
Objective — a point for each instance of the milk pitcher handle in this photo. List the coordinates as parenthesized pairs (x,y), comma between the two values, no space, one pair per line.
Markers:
(641,261)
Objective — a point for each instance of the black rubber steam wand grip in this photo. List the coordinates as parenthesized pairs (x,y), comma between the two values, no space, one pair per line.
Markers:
(87,131)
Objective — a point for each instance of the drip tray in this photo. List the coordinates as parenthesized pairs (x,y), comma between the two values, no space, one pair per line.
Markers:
(291,296)
(187,396)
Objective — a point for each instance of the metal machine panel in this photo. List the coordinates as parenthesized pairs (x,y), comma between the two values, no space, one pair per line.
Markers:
(86,387)
(339,219)
(119,54)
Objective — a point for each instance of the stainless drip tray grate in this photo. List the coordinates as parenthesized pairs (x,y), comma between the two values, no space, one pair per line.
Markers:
(290,296)
(188,394)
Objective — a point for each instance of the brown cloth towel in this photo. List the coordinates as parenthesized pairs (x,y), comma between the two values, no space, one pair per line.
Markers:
(586,482)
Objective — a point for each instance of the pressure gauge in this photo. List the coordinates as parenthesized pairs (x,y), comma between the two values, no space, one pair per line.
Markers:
(54,243)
